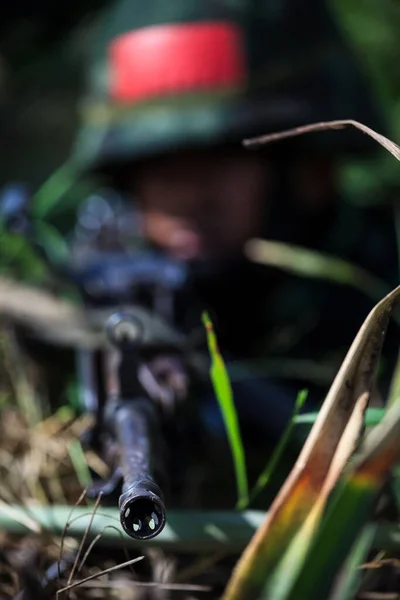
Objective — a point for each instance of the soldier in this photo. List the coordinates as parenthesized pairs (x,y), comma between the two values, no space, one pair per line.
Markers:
(174,88)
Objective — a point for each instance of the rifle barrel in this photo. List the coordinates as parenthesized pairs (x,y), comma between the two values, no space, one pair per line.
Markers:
(141,504)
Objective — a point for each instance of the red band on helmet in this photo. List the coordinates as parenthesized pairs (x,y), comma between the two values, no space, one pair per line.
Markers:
(170,59)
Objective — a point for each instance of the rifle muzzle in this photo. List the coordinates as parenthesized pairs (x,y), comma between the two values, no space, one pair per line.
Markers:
(142,510)
(141,503)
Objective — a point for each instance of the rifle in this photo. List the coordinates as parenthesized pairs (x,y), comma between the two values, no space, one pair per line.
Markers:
(136,372)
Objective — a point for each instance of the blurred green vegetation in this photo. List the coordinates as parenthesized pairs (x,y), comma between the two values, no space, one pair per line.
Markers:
(39,97)
(372,29)
(41,81)
(40,85)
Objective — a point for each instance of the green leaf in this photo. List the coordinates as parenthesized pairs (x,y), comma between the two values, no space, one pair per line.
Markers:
(373,416)
(304,262)
(17,257)
(79,463)
(223,392)
(350,578)
(265,476)
(350,509)
(280,550)
(187,531)
(58,184)
(52,242)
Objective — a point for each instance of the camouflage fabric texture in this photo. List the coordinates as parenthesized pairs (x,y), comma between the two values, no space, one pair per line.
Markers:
(298,69)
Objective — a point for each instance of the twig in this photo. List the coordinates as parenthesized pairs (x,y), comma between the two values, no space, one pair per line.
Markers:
(164,586)
(81,497)
(390,146)
(97,538)
(95,575)
(84,538)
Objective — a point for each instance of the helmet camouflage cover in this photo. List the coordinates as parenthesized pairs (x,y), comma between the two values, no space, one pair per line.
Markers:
(167,75)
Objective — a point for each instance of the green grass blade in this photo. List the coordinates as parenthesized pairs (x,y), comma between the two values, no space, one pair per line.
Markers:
(52,242)
(279,552)
(394,392)
(185,531)
(350,509)
(351,576)
(79,463)
(52,190)
(17,258)
(332,544)
(395,485)
(265,476)
(373,417)
(25,397)
(223,392)
(309,263)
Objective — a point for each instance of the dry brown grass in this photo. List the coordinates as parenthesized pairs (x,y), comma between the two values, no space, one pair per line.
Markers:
(36,468)
(42,463)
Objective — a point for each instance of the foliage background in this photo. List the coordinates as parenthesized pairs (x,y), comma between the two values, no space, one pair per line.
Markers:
(42,77)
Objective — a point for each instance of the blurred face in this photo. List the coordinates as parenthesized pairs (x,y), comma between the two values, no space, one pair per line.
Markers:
(198,205)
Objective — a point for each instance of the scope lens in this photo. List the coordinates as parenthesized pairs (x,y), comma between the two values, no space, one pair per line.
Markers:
(124,329)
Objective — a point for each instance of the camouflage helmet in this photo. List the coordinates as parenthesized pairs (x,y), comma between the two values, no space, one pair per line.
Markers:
(168,75)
